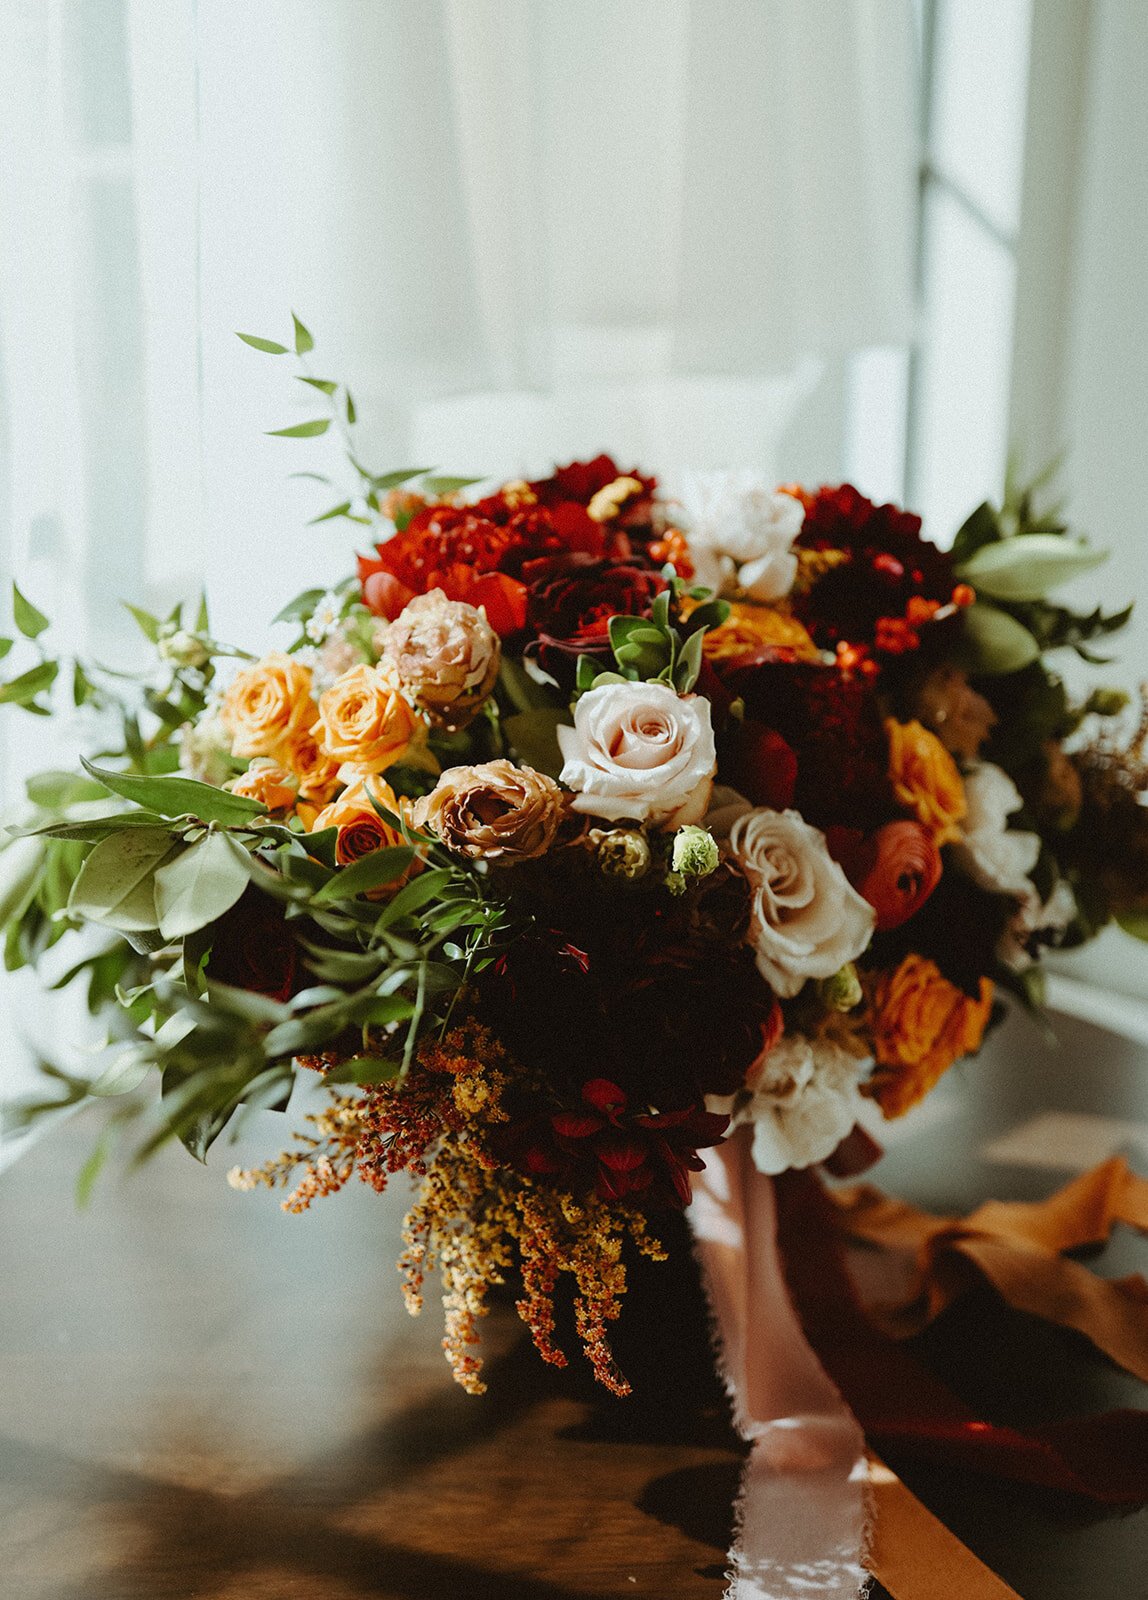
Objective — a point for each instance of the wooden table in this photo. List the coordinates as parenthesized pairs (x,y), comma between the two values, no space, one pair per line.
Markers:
(202,1397)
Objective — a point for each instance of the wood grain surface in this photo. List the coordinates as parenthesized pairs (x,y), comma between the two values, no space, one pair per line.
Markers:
(204,1398)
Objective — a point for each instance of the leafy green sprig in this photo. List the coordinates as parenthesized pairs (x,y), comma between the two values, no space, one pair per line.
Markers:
(656,649)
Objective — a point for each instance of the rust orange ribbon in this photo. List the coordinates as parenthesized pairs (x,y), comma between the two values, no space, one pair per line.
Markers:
(1020,1250)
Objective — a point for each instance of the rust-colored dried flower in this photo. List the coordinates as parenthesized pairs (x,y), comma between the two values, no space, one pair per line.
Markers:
(495,812)
(951,708)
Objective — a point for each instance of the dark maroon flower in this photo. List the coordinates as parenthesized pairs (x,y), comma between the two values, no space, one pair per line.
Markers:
(570,600)
(581,480)
(602,1145)
(757,762)
(253,947)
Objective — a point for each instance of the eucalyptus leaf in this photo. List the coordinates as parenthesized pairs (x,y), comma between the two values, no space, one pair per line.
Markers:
(179,797)
(200,884)
(268,346)
(997,643)
(369,872)
(302,430)
(1028,566)
(116,884)
(30,622)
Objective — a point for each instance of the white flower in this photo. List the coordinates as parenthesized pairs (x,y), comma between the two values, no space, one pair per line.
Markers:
(205,750)
(740,533)
(640,752)
(1033,917)
(806,919)
(324,619)
(994,855)
(803,1101)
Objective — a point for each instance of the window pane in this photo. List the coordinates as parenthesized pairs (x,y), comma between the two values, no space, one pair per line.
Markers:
(962,403)
(980,81)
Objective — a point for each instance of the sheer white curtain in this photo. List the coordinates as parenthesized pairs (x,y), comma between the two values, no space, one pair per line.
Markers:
(520,228)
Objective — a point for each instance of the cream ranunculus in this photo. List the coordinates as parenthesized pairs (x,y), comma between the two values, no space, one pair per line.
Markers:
(807,920)
(803,1100)
(640,752)
(741,533)
(998,857)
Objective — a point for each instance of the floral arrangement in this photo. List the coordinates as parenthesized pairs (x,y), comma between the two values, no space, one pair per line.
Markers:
(582,825)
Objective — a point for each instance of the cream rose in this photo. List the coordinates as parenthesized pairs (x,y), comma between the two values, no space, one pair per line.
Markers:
(803,1100)
(998,857)
(640,752)
(741,533)
(807,920)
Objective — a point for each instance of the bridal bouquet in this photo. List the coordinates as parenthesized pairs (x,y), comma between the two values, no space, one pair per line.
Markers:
(580,828)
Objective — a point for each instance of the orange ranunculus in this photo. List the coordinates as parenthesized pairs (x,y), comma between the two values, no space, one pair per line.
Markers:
(267,781)
(266,704)
(313,765)
(749,629)
(921,1024)
(361,829)
(926,779)
(364,722)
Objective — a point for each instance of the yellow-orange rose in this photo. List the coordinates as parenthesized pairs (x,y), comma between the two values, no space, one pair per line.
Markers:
(266,704)
(925,779)
(267,781)
(314,766)
(361,829)
(921,1024)
(364,721)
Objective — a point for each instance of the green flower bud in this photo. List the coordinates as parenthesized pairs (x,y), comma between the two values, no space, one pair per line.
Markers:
(1106,702)
(623,853)
(843,990)
(183,649)
(695,852)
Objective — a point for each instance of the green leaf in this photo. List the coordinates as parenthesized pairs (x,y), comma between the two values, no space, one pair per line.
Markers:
(1028,566)
(415,894)
(180,797)
(303,339)
(5,647)
(364,1070)
(392,480)
(302,430)
(302,606)
(30,622)
(336,511)
(92,830)
(116,884)
(268,346)
(533,736)
(352,414)
(83,689)
(369,872)
(149,625)
(325,385)
(200,884)
(440,485)
(123,1076)
(981,527)
(689,663)
(53,791)
(997,643)
(22,690)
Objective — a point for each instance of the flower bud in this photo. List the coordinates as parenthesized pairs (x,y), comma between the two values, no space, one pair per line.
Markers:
(624,853)
(843,990)
(695,853)
(183,649)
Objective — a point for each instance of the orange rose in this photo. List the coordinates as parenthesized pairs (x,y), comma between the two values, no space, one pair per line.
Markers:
(268,782)
(361,829)
(364,721)
(925,779)
(313,765)
(921,1024)
(266,704)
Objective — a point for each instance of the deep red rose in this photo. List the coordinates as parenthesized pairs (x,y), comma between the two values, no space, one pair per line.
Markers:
(570,600)
(253,947)
(581,480)
(758,763)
